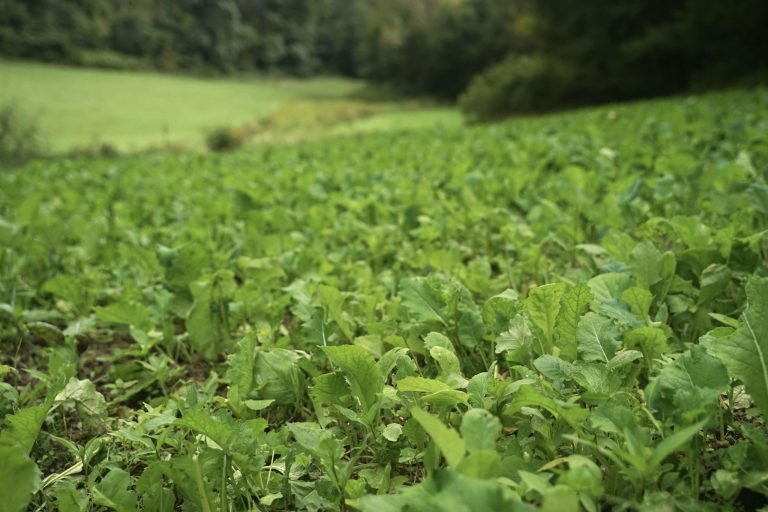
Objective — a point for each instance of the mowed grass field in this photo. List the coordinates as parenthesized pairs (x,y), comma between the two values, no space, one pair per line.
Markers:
(80,107)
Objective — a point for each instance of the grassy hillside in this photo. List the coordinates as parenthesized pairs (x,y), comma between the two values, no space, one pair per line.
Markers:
(567,312)
(78,107)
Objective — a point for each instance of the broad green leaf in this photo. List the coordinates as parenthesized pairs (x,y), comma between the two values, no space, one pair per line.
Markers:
(618,244)
(516,342)
(360,370)
(315,329)
(19,478)
(372,343)
(667,272)
(422,301)
(482,464)
(69,289)
(231,436)
(444,491)
(321,444)
(62,367)
(471,329)
(90,404)
(609,286)
(554,368)
(435,339)
(527,396)
(208,319)
(614,418)
(125,313)
(726,320)
(114,491)
(23,427)
(692,382)
(596,336)
(535,482)
(312,437)
(446,398)
(389,361)
(421,385)
(257,405)
(583,475)
(500,309)
(639,301)
(543,307)
(187,473)
(450,371)
(623,358)
(713,282)
(240,372)
(694,368)
(392,432)
(645,261)
(330,388)
(155,494)
(218,427)
(71,499)
(480,429)
(278,376)
(596,378)
(332,300)
(574,303)
(745,352)
(675,442)
(478,387)
(48,332)
(652,341)
(436,392)
(560,499)
(726,483)
(269,499)
(184,265)
(394,502)
(448,440)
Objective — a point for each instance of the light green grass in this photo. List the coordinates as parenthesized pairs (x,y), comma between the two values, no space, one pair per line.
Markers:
(402,120)
(79,107)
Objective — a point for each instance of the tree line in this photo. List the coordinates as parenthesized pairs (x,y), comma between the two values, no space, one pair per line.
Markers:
(494,56)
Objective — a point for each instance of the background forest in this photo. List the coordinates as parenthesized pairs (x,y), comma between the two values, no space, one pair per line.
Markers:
(495,56)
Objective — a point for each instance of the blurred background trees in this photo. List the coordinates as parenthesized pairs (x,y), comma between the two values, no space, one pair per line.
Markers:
(495,56)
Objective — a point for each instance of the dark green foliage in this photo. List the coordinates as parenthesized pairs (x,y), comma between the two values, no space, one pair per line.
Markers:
(436,46)
(298,37)
(602,50)
(518,84)
(225,138)
(533,55)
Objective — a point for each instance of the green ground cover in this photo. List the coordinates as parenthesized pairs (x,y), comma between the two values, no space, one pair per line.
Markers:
(563,313)
(80,107)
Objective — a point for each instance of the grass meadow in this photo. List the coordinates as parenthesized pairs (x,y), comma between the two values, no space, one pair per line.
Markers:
(130,111)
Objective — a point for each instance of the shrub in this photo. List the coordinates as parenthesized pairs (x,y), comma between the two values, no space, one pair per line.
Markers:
(519,84)
(19,135)
(225,138)
(95,150)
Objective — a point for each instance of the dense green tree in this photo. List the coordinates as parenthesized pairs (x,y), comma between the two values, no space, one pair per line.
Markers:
(518,54)
(436,46)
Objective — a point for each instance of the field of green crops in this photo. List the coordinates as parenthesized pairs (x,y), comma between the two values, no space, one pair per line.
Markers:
(559,313)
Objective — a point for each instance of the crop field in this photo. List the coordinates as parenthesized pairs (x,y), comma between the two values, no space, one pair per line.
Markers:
(560,313)
(77,108)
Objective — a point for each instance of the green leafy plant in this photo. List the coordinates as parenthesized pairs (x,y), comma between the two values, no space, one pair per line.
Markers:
(558,313)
